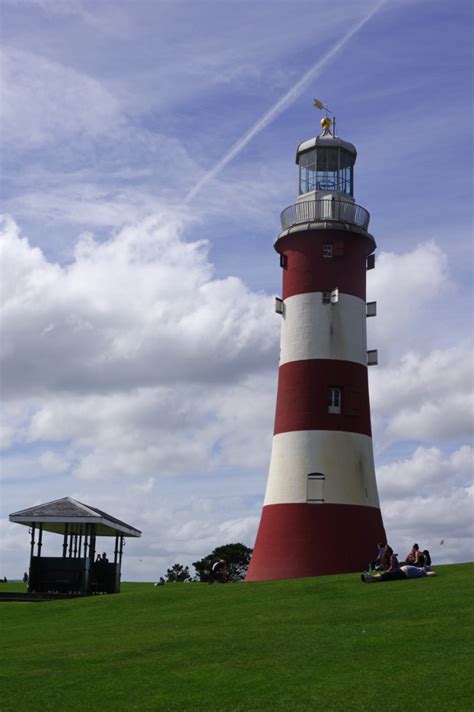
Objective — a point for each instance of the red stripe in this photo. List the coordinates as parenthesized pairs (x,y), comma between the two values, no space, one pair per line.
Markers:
(302,400)
(296,540)
(307,270)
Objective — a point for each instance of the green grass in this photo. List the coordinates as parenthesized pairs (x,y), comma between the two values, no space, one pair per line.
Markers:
(328,643)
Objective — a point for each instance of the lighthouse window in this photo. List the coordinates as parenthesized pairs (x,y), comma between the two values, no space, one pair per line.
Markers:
(307,163)
(334,400)
(327,178)
(315,491)
(327,250)
(331,297)
(371,308)
(372,357)
(327,170)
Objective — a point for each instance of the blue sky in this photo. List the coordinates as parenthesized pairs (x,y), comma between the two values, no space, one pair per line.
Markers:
(139,342)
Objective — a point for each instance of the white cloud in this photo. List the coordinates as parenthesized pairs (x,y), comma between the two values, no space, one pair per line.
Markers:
(14,549)
(141,309)
(406,287)
(426,396)
(53,463)
(183,429)
(82,204)
(426,474)
(136,356)
(427,498)
(46,102)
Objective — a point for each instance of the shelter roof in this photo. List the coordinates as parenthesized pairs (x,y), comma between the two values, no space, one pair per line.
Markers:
(55,515)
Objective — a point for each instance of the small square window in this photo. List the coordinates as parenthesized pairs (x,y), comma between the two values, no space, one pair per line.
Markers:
(327,250)
(372,357)
(334,400)
(371,309)
(279,305)
(331,297)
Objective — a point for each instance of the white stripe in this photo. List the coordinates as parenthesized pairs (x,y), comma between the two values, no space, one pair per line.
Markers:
(345,459)
(311,329)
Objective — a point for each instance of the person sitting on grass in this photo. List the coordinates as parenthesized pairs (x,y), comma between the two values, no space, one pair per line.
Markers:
(427,559)
(391,560)
(404,572)
(390,565)
(413,556)
(377,564)
(385,561)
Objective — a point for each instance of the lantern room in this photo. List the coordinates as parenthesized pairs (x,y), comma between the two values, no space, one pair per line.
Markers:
(326,166)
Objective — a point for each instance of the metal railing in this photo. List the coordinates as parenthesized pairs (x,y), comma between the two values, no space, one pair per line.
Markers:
(325,209)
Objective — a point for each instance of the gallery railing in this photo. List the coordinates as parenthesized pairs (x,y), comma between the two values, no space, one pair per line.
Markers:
(325,209)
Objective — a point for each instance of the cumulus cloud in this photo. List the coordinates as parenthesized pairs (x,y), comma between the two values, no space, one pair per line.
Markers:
(183,429)
(428,498)
(425,396)
(136,356)
(406,287)
(426,474)
(141,309)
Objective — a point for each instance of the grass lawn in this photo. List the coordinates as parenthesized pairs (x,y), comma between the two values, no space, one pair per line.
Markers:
(329,643)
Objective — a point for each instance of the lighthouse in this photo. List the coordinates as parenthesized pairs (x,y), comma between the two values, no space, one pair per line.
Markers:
(321,513)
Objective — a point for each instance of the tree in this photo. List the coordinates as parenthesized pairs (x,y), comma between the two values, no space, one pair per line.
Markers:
(178,573)
(236,556)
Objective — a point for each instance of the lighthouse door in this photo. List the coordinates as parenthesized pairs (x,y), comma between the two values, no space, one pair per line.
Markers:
(315,492)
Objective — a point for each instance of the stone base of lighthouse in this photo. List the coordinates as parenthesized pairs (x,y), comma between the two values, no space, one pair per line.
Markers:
(297,540)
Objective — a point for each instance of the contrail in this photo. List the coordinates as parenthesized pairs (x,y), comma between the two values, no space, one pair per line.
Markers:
(280,105)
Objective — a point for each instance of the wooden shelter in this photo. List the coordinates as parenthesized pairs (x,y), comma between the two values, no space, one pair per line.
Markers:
(77,570)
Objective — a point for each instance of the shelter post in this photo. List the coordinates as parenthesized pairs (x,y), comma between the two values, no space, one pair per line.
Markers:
(65,541)
(40,540)
(32,551)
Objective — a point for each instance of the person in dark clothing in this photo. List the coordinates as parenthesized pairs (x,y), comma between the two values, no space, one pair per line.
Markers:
(405,572)
(391,568)
(219,572)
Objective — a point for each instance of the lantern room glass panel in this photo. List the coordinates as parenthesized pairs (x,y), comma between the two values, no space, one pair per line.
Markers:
(329,170)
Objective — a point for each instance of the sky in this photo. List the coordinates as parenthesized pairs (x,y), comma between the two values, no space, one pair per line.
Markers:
(148,149)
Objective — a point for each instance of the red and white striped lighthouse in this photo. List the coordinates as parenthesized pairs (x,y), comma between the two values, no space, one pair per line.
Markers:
(321,513)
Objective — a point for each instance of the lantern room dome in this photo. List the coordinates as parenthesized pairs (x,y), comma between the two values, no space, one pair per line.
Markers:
(328,141)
